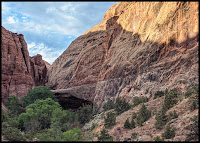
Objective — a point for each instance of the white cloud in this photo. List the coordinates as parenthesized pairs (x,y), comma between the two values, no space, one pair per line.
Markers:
(11,20)
(47,53)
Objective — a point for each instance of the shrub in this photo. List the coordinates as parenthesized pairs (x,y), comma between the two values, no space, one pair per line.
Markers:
(158,94)
(121,106)
(13,106)
(4,116)
(62,119)
(194,130)
(169,100)
(157,139)
(143,115)
(49,135)
(109,105)
(13,134)
(173,115)
(194,105)
(134,135)
(72,135)
(39,92)
(169,132)
(84,114)
(192,89)
(161,120)
(110,120)
(127,124)
(105,136)
(139,100)
(134,115)
(38,115)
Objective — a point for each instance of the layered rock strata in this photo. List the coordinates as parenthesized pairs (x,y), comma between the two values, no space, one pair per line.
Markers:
(137,49)
(19,71)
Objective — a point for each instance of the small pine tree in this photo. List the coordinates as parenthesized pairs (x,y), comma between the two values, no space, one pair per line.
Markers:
(169,132)
(109,105)
(121,106)
(173,115)
(194,130)
(161,120)
(143,115)
(127,124)
(105,136)
(157,139)
(132,124)
(110,120)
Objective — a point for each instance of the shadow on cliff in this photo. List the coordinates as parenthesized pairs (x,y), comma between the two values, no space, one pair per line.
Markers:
(114,33)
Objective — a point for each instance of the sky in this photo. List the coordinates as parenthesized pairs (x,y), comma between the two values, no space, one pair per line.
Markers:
(50,27)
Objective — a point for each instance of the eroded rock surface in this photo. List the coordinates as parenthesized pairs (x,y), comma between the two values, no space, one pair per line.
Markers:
(19,71)
(138,47)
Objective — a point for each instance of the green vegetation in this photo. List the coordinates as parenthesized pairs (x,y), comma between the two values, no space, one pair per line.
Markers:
(169,99)
(161,120)
(39,92)
(110,120)
(38,115)
(13,106)
(143,115)
(105,136)
(12,134)
(139,100)
(72,135)
(159,94)
(109,105)
(121,106)
(194,130)
(158,139)
(134,135)
(172,115)
(169,132)
(129,125)
(85,114)
(192,89)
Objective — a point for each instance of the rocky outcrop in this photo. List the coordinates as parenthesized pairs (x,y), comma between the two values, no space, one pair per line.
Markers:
(19,71)
(39,69)
(138,47)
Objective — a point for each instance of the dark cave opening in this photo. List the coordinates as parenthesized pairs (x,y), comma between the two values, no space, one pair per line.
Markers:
(72,102)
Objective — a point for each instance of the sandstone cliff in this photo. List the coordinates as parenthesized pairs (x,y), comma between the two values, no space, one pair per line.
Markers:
(19,71)
(138,47)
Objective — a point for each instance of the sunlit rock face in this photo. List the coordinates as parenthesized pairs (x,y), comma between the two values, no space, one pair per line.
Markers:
(19,71)
(137,49)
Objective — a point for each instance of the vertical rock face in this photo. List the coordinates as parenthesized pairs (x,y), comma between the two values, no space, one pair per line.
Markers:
(148,45)
(38,70)
(17,67)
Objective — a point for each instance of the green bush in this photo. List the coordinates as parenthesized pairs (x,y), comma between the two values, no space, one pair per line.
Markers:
(127,124)
(109,105)
(192,89)
(38,115)
(39,92)
(134,135)
(121,106)
(139,100)
(158,94)
(158,139)
(105,136)
(4,116)
(143,115)
(72,135)
(49,135)
(194,105)
(172,115)
(14,107)
(84,114)
(161,120)
(110,120)
(13,134)
(62,119)
(169,100)
(169,132)
(194,130)
(134,115)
